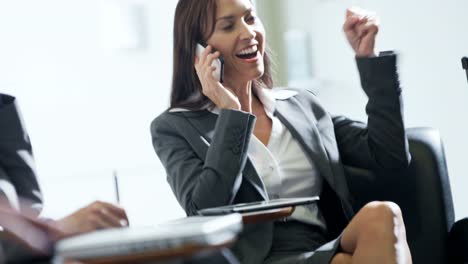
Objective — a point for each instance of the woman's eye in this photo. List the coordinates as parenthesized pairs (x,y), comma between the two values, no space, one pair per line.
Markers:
(228,27)
(251,19)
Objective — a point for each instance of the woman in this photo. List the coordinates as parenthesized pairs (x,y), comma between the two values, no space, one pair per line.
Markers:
(241,141)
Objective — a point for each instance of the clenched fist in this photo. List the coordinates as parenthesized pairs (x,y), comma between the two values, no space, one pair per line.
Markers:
(361,28)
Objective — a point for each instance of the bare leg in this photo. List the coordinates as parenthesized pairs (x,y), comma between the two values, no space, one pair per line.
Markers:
(342,258)
(375,235)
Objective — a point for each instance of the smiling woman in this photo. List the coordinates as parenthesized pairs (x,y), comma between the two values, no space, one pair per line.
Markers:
(243,141)
(196,25)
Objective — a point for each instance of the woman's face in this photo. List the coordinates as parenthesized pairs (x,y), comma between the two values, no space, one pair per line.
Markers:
(240,37)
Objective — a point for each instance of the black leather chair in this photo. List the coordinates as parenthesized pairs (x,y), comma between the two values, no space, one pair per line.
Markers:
(458,242)
(422,191)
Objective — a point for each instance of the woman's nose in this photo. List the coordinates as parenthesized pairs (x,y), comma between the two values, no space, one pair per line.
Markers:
(248,31)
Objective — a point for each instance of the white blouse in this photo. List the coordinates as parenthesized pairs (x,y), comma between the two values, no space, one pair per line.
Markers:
(282,164)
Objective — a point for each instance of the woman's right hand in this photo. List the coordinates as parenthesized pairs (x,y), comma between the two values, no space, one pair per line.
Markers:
(223,97)
(98,215)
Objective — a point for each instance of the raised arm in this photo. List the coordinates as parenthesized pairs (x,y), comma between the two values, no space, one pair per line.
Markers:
(382,143)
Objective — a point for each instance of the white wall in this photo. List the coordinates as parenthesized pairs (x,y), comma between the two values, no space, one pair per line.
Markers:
(88,110)
(431,37)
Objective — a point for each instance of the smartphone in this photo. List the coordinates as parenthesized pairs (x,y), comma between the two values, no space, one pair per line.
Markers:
(218,63)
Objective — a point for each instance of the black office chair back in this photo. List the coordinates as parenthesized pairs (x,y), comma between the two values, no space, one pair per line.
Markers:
(422,191)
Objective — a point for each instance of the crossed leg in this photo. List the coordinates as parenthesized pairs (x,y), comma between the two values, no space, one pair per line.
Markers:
(376,234)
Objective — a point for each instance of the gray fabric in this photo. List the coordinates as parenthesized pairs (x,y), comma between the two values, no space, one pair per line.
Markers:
(296,242)
(16,154)
(220,173)
(17,253)
(16,168)
(225,256)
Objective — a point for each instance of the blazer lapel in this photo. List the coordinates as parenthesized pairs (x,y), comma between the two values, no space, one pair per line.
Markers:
(204,122)
(302,126)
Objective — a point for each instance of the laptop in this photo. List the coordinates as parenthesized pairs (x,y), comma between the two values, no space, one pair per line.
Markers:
(258,206)
(115,243)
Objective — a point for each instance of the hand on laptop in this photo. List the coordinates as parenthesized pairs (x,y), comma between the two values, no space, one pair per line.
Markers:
(98,215)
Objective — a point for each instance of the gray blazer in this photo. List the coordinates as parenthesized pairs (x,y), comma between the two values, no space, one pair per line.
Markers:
(16,159)
(206,161)
(16,172)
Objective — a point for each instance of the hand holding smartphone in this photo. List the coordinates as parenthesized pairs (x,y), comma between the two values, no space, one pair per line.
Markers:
(218,63)
(223,97)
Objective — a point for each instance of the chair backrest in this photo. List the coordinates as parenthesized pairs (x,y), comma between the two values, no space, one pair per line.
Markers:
(422,191)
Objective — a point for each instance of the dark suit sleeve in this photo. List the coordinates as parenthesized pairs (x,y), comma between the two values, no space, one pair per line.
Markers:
(213,181)
(382,143)
(16,159)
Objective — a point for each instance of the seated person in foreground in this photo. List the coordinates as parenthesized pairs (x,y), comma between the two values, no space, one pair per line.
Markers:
(242,141)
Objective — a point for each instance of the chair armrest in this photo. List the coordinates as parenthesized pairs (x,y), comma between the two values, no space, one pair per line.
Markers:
(458,242)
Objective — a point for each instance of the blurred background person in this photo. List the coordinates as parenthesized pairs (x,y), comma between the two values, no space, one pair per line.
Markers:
(20,190)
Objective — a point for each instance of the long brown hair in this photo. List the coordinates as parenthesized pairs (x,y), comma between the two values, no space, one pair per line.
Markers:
(194,22)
